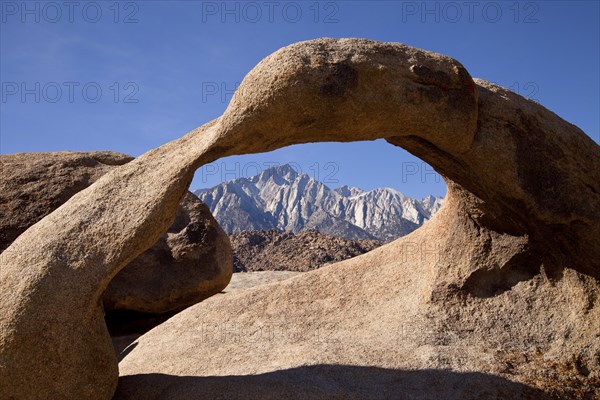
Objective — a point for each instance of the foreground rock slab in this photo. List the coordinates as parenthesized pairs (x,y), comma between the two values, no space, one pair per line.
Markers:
(513,247)
(248,280)
(374,327)
(239,281)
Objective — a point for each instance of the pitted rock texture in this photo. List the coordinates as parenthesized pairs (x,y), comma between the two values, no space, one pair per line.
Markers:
(188,264)
(248,280)
(462,295)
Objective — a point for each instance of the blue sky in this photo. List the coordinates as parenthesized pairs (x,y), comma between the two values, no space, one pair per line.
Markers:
(132,75)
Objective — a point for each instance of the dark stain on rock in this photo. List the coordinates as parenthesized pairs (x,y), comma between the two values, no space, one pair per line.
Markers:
(539,174)
(339,78)
(306,122)
(432,93)
(428,76)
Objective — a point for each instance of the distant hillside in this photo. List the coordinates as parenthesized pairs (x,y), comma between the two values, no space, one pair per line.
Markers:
(273,250)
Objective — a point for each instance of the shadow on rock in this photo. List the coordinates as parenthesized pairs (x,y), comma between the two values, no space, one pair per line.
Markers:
(328,382)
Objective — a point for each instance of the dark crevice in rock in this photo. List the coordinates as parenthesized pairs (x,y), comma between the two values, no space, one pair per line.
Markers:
(489,283)
(126,322)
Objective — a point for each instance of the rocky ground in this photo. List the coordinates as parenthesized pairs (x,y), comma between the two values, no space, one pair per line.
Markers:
(273,250)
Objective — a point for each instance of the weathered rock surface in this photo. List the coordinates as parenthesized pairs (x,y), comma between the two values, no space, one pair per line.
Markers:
(248,280)
(273,250)
(513,248)
(188,263)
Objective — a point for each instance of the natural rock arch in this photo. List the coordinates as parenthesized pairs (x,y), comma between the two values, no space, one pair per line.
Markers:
(523,188)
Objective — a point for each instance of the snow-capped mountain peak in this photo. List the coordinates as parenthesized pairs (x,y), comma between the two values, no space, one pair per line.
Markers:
(348,191)
(281,198)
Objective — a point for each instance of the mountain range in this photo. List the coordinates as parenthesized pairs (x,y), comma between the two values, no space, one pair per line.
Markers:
(283,199)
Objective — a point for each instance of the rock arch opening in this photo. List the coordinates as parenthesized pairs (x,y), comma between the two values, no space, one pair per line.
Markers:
(305,206)
(358,188)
